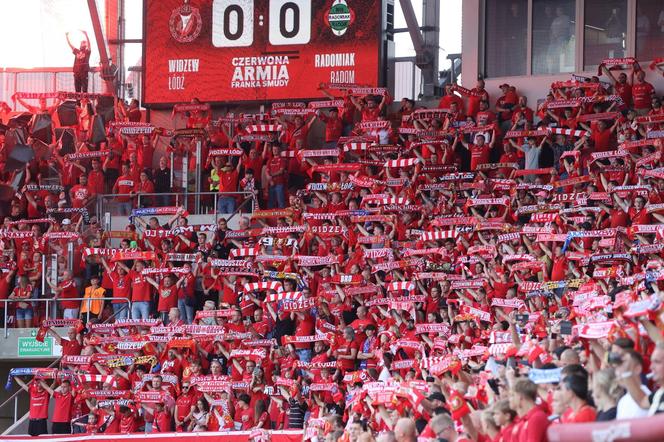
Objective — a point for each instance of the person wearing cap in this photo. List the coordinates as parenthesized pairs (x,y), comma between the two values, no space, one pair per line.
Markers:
(505,104)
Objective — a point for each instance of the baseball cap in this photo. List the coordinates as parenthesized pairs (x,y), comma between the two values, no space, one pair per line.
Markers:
(436,396)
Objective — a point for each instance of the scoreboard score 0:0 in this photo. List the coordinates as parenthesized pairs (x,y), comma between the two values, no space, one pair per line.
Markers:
(254,50)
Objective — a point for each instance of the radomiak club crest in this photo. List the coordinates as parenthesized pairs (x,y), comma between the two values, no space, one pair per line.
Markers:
(339,17)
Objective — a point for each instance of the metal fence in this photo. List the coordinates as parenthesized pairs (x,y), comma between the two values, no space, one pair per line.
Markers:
(14,80)
(196,203)
(49,301)
(14,397)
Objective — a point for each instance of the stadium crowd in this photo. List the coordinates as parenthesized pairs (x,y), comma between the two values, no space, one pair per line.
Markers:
(478,271)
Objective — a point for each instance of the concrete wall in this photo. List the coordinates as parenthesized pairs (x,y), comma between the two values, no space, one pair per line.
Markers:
(10,358)
(534,87)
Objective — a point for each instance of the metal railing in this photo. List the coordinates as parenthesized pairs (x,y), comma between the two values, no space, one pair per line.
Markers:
(48,79)
(14,396)
(125,301)
(196,203)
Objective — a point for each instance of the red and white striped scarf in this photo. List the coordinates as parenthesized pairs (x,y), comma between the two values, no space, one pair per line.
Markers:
(264,128)
(291,296)
(104,379)
(263,286)
(243,252)
(438,234)
(356,146)
(403,162)
(569,132)
(401,285)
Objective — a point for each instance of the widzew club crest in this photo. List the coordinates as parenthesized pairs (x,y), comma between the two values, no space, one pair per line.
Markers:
(185,23)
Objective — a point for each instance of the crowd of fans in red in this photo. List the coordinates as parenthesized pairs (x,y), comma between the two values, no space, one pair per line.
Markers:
(471,272)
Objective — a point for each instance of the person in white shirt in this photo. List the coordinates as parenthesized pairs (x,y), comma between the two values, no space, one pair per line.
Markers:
(627,406)
(385,374)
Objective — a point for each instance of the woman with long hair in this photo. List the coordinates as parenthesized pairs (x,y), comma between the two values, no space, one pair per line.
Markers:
(199,415)
(574,392)
(606,393)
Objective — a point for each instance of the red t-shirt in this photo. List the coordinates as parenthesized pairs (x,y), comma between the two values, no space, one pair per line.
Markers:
(639,217)
(370,114)
(478,155)
(532,427)
(277,164)
(23,293)
(184,403)
(161,422)
(121,287)
(38,402)
(345,349)
(79,195)
(140,287)
(559,269)
(585,414)
(168,297)
(96,182)
(255,164)
(295,134)
(128,423)
(62,412)
(228,181)
(304,328)
(474,101)
(618,218)
(70,348)
(625,92)
(70,174)
(602,140)
(445,102)
(641,94)
(124,184)
(245,417)
(69,290)
(333,128)
(144,186)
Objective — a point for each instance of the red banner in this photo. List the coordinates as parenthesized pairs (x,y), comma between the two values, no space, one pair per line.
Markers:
(257,50)
(211,436)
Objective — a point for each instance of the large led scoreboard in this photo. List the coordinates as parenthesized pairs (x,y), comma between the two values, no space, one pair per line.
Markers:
(257,50)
